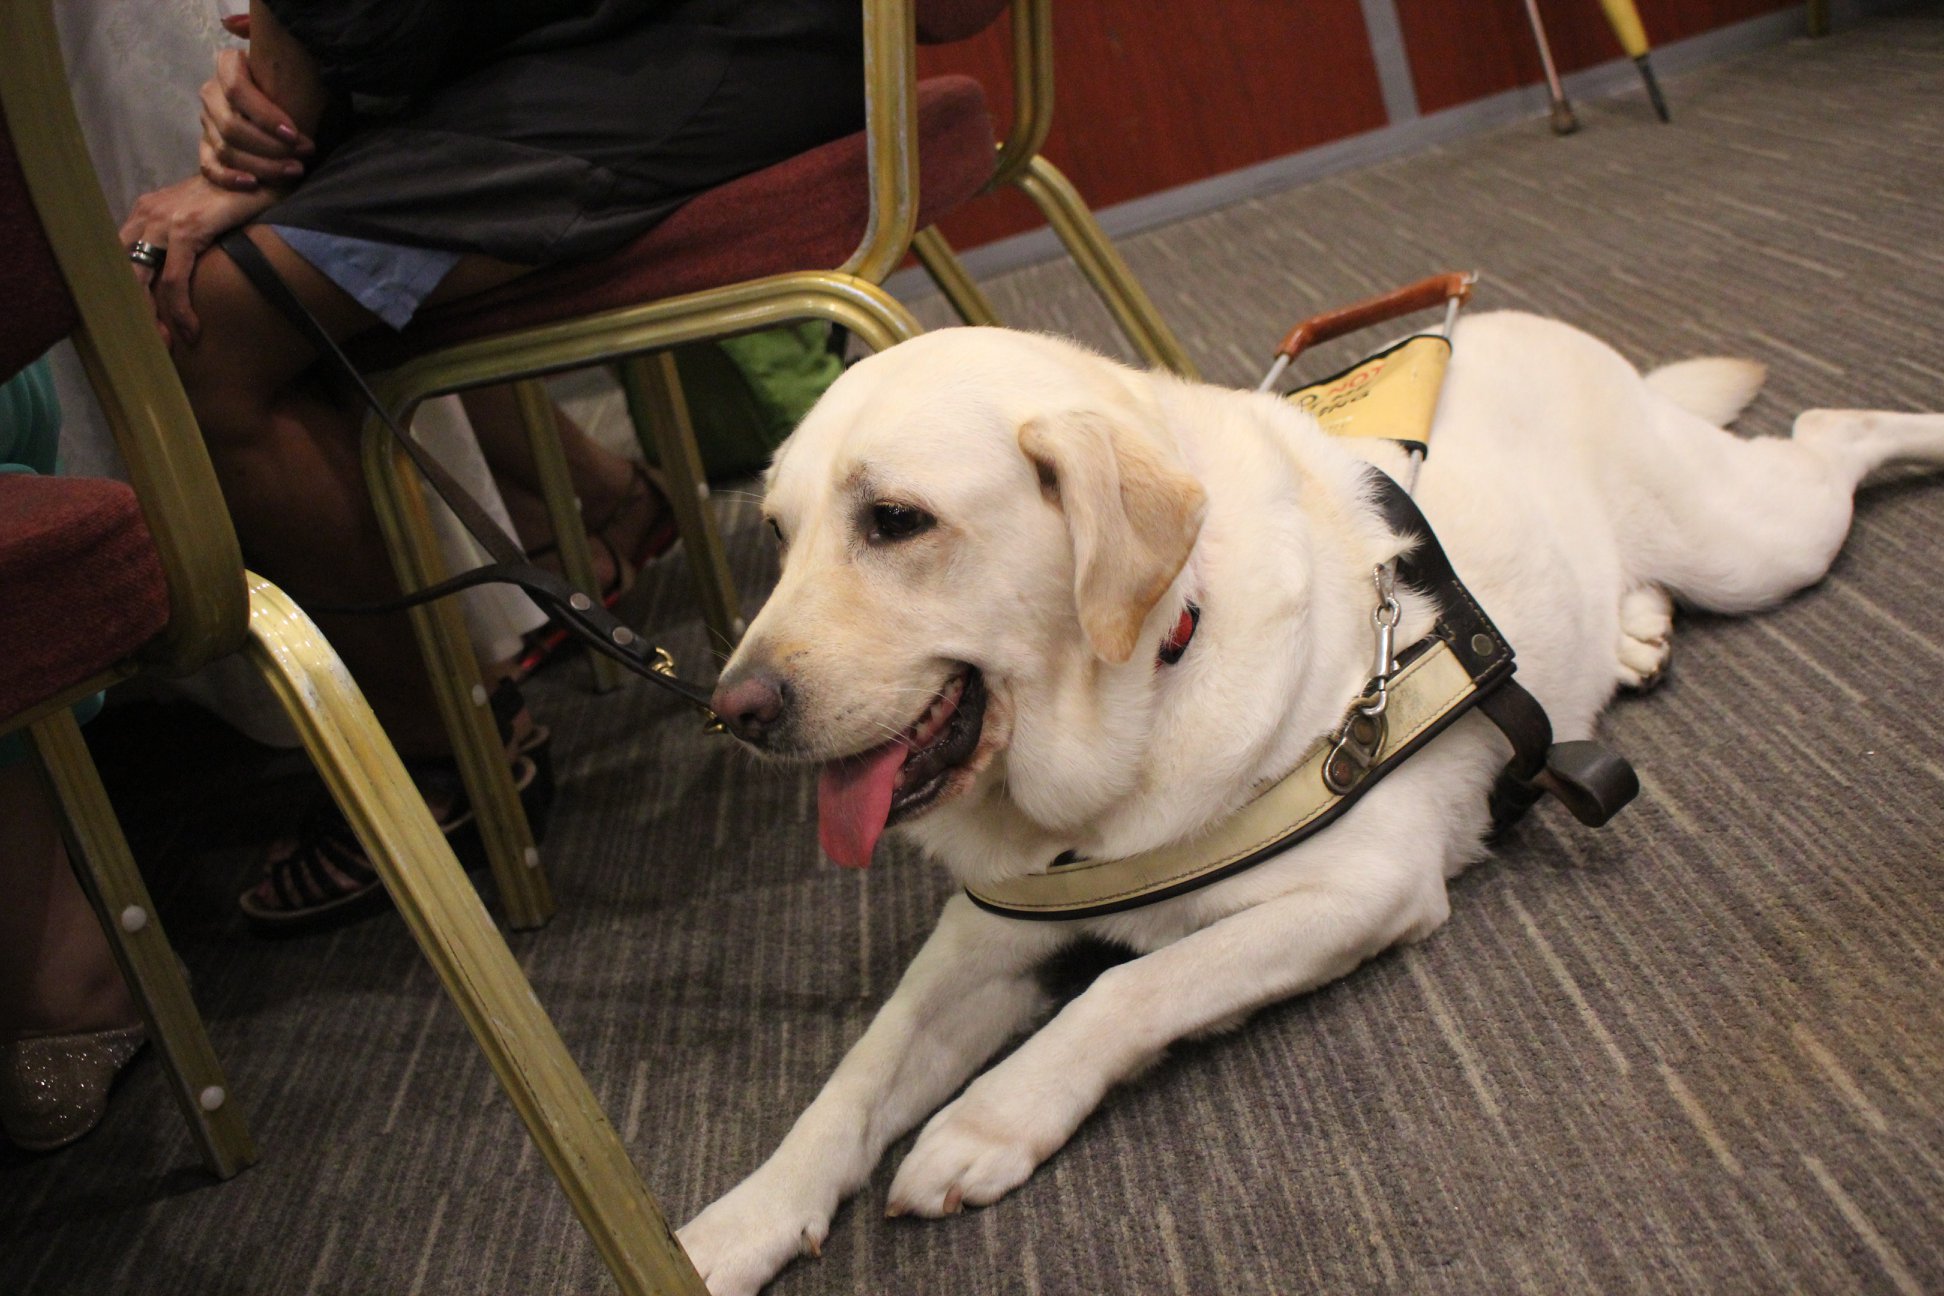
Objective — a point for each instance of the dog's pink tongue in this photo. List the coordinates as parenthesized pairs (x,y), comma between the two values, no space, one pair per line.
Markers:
(854,801)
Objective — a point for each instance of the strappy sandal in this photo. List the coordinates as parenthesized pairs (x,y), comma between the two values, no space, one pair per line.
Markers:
(327,881)
(541,644)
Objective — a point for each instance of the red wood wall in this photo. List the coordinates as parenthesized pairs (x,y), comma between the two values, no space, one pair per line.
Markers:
(1152,94)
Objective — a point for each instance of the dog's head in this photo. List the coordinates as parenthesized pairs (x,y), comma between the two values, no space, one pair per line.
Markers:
(976,528)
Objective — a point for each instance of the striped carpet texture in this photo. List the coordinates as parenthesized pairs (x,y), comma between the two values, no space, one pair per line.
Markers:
(1700,1051)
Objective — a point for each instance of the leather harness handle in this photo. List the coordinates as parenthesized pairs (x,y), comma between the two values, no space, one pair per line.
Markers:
(1421,295)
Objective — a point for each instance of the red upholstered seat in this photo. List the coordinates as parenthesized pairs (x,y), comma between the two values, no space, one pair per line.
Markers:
(806,213)
(83,587)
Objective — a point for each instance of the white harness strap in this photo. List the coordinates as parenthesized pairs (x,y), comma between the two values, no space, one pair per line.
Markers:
(1421,694)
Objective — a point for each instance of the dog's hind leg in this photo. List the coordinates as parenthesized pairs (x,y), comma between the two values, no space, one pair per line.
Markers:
(1739,525)
(1856,443)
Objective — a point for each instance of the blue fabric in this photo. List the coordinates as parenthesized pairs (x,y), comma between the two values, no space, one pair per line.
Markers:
(30,421)
(389,280)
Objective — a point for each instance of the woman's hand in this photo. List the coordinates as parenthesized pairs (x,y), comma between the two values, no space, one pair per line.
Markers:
(183,220)
(247,140)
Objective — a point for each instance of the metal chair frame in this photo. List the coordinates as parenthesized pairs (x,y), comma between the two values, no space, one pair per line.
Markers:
(217,608)
(636,340)
(1022,166)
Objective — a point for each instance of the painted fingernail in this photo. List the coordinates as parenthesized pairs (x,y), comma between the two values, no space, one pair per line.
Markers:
(287,131)
(293,169)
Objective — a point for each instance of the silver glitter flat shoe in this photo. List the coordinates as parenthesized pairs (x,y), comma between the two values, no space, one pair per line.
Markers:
(54,1088)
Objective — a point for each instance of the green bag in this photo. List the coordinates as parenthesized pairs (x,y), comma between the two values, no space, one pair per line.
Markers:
(745,394)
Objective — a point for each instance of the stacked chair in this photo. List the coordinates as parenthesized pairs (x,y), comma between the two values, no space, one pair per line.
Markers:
(810,237)
(106,581)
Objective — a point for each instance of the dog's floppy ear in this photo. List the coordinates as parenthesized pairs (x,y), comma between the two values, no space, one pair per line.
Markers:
(1131,509)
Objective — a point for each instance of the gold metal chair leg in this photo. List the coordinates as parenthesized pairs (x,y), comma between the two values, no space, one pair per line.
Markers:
(456,685)
(661,420)
(1101,263)
(470,957)
(108,876)
(945,269)
(564,512)
(877,319)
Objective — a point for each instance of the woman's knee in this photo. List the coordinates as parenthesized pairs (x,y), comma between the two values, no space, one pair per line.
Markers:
(232,372)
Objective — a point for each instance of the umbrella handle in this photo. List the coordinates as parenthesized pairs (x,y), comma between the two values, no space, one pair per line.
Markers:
(1627,26)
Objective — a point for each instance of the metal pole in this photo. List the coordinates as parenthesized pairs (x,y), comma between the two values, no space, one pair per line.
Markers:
(1563,121)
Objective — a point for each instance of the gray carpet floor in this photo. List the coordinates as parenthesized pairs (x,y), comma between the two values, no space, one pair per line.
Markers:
(1700,1051)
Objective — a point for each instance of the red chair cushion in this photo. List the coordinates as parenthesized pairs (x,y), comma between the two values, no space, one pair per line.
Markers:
(807,213)
(83,587)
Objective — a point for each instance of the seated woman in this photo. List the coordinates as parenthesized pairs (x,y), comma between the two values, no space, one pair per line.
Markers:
(390,154)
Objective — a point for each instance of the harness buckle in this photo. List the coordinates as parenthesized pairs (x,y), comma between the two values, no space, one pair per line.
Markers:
(1357,741)
(664,665)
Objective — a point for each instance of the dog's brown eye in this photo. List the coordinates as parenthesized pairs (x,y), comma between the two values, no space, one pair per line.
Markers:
(898,522)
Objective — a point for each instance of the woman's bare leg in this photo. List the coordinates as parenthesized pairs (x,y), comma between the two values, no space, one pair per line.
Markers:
(57,974)
(611,494)
(285,446)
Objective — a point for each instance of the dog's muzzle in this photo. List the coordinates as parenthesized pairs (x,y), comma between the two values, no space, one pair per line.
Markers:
(754,706)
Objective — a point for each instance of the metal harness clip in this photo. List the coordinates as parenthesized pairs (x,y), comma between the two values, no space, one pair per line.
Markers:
(1358,742)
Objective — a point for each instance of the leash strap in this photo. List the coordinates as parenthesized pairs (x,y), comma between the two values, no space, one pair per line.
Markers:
(579,613)
(1464,663)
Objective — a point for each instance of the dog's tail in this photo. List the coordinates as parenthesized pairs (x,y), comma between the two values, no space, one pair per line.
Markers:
(1718,388)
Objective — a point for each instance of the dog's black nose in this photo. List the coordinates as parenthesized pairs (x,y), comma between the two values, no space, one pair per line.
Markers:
(751,706)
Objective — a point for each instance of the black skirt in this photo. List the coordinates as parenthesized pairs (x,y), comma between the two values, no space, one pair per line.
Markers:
(565,130)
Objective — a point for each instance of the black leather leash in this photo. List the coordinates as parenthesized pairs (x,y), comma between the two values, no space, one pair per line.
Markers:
(580,613)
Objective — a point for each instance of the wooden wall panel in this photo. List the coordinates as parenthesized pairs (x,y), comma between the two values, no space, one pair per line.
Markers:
(1465,51)
(1152,94)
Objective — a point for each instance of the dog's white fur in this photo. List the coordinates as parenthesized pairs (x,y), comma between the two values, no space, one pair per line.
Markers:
(1079,503)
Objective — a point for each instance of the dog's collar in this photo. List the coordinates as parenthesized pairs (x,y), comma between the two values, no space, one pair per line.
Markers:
(1178,638)
(1463,663)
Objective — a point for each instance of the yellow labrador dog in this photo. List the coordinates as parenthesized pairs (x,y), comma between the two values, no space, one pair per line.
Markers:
(987,536)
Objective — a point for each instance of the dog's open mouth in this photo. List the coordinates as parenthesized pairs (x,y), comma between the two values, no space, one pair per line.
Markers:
(859,796)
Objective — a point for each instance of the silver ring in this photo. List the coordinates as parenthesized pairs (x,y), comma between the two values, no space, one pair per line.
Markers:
(147,254)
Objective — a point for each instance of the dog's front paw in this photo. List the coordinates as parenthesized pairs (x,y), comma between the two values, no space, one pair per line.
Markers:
(746,1238)
(971,1154)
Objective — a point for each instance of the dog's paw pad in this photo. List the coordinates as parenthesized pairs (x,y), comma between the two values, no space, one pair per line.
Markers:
(1646,638)
(956,1163)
